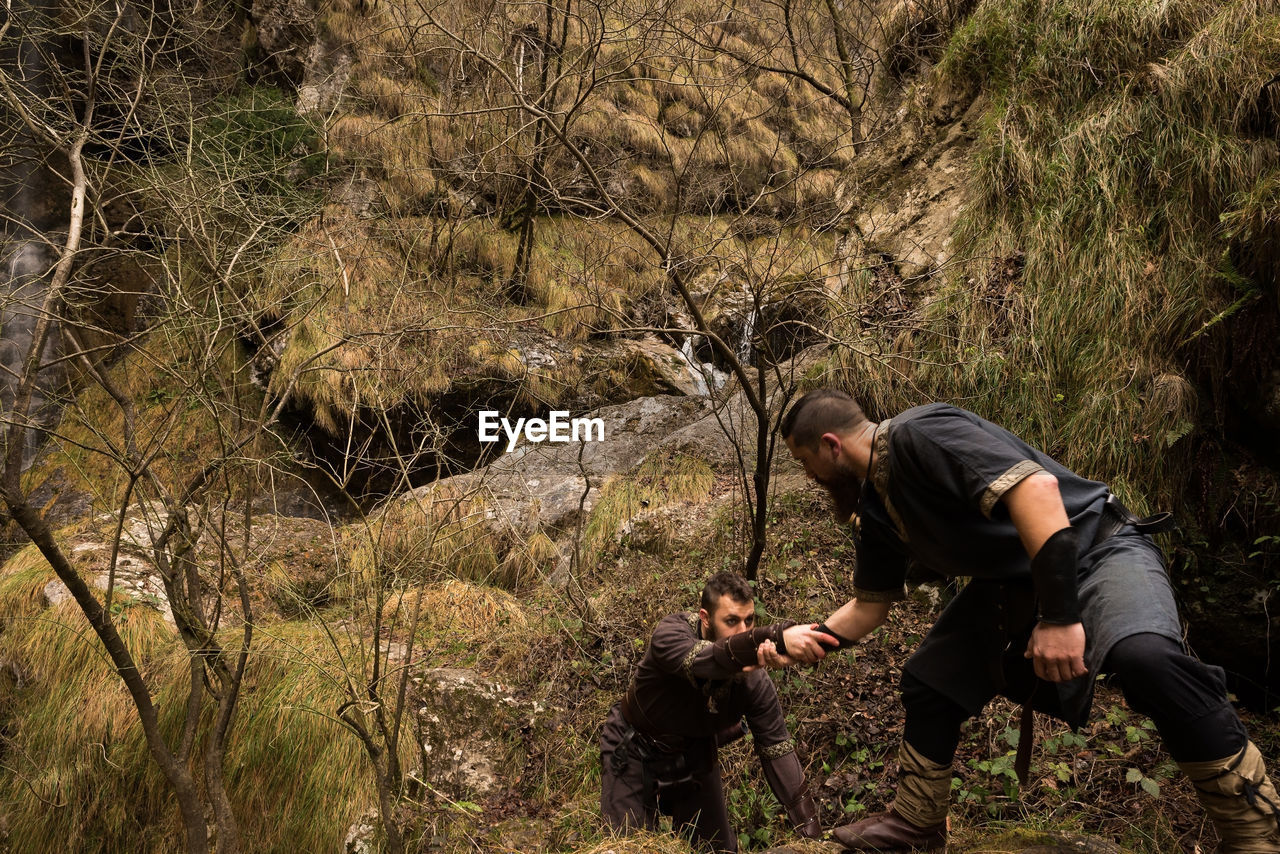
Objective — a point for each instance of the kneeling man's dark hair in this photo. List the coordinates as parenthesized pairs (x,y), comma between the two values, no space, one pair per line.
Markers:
(823,410)
(725,583)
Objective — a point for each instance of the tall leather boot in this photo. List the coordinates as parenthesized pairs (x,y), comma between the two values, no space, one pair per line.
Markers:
(786,778)
(1237,794)
(917,820)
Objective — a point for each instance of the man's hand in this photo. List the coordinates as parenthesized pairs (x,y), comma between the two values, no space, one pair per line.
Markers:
(768,656)
(805,643)
(1057,652)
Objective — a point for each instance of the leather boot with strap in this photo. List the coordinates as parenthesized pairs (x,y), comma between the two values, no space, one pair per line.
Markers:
(1238,796)
(917,820)
(785,776)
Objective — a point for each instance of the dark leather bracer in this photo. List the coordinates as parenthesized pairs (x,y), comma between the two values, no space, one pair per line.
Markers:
(786,779)
(845,643)
(1053,571)
(740,650)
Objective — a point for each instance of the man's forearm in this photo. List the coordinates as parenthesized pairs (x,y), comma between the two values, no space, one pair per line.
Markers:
(1036,510)
(850,623)
(739,650)
(855,619)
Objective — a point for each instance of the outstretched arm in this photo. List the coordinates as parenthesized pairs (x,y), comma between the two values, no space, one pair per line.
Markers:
(858,618)
(851,622)
(676,648)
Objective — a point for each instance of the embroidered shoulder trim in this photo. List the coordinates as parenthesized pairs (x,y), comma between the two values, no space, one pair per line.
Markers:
(777,751)
(896,595)
(1014,475)
(687,664)
(880,476)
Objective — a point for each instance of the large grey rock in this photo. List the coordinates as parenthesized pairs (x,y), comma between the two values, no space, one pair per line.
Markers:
(545,488)
(661,365)
(302,549)
(465,726)
(545,485)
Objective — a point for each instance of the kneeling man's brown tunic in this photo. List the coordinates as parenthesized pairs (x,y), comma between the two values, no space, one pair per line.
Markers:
(688,695)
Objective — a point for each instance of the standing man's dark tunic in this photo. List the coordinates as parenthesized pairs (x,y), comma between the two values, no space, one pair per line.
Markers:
(938,474)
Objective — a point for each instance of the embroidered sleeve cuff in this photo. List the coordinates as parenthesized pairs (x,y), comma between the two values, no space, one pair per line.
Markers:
(776,751)
(1014,475)
(894,595)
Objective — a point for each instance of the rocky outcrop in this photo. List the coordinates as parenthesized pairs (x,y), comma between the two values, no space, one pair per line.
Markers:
(658,368)
(296,44)
(546,489)
(286,30)
(465,726)
(290,564)
(909,222)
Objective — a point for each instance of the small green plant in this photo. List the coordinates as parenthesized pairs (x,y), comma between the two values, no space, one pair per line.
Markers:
(1148,785)
(1141,732)
(753,806)
(1269,543)
(158,396)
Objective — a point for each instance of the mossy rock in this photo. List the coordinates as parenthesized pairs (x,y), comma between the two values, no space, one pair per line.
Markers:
(468,730)
(1018,841)
(1024,841)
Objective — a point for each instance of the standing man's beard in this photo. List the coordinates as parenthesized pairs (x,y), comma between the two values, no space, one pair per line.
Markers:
(845,491)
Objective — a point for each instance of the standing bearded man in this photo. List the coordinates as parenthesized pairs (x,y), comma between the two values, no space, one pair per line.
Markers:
(1065,584)
(698,679)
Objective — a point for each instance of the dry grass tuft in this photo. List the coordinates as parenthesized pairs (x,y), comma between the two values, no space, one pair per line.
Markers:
(662,478)
(23,579)
(295,776)
(426,536)
(489,623)
(641,842)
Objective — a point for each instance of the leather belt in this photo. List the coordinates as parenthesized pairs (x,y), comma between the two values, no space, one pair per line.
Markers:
(1115,517)
(663,743)
(636,720)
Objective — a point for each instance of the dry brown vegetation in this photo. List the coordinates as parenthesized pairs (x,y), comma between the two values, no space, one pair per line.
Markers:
(684,121)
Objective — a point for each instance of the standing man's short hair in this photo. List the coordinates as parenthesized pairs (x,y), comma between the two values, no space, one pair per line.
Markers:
(729,584)
(823,410)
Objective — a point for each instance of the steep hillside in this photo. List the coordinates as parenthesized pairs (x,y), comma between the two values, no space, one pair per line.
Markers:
(1063,218)
(1120,302)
